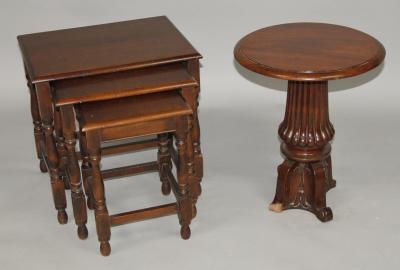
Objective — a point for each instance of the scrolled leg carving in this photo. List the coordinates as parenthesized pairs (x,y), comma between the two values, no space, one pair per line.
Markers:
(320,173)
(306,174)
(164,162)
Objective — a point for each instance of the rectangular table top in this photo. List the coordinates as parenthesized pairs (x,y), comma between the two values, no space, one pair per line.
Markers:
(130,110)
(103,48)
(122,84)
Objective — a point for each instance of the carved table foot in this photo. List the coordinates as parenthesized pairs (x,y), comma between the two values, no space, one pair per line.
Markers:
(62,217)
(302,186)
(105,248)
(306,174)
(82,232)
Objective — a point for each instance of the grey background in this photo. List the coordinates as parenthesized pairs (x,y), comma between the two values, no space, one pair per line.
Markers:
(239,113)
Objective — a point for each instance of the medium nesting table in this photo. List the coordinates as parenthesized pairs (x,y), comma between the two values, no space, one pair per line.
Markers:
(307,55)
(84,65)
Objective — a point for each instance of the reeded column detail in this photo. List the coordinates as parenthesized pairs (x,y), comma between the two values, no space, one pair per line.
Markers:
(305,175)
(306,123)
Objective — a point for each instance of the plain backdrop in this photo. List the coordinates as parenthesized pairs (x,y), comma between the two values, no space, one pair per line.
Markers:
(239,114)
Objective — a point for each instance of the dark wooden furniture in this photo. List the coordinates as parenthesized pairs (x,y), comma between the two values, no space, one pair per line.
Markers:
(103,62)
(159,113)
(140,82)
(307,55)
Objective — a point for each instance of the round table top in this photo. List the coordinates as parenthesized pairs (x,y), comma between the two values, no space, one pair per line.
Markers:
(309,51)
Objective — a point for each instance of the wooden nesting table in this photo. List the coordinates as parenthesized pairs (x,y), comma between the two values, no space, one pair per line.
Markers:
(143,56)
(307,55)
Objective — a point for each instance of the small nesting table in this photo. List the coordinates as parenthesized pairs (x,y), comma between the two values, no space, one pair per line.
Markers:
(307,55)
(102,62)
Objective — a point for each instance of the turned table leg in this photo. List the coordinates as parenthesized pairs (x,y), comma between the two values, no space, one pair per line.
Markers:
(103,225)
(37,124)
(72,166)
(192,97)
(198,156)
(61,148)
(306,174)
(164,162)
(43,93)
(86,171)
(184,173)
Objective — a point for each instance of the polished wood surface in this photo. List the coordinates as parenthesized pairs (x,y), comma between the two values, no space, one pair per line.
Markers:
(308,55)
(131,110)
(103,48)
(123,84)
(309,51)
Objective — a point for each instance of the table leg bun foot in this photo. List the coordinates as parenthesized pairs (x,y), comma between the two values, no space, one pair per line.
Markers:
(105,248)
(42,166)
(82,232)
(185,232)
(62,217)
(166,188)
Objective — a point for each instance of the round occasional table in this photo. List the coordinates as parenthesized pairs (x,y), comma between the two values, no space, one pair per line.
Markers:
(307,55)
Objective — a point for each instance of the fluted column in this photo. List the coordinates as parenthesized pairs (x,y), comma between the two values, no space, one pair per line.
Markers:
(306,132)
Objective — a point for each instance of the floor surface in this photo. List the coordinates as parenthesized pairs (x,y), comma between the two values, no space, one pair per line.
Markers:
(239,115)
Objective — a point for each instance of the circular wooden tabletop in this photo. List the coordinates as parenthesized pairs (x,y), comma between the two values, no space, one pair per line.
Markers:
(309,51)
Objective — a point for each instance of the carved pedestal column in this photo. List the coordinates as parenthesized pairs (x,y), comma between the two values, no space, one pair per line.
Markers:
(306,174)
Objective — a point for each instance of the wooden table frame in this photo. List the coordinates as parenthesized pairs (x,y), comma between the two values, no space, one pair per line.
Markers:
(308,55)
(50,144)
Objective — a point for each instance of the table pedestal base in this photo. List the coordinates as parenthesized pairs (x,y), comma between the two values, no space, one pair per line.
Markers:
(306,174)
